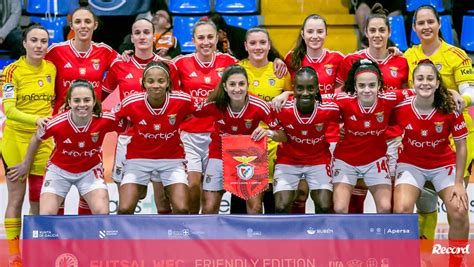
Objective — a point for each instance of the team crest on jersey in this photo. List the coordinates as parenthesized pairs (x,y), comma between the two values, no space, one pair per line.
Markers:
(245,170)
(96,63)
(367,124)
(271,82)
(40,83)
(234,128)
(207,79)
(48,78)
(81,144)
(336,172)
(255,83)
(157,127)
(82,71)
(172,119)
(248,124)
(304,132)
(439,126)
(439,66)
(379,116)
(394,72)
(95,137)
(118,170)
(47,183)
(220,71)
(424,132)
(319,127)
(208,178)
(329,68)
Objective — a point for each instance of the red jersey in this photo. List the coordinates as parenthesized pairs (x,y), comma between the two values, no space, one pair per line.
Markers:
(72,65)
(306,143)
(198,79)
(394,69)
(426,141)
(244,122)
(364,140)
(78,149)
(128,75)
(326,66)
(155,132)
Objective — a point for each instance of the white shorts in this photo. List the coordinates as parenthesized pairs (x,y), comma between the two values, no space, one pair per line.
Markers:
(196,148)
(213,177)
(392,154)
(120,154)
(167,171)
(59,181)
(374,173)
(287,177)
(441,178)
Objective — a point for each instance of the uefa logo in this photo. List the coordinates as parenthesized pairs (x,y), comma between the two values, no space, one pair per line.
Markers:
(66,260)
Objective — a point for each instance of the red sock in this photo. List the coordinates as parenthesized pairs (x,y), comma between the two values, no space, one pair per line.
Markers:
(35,182)
(165,212)
(299,207)
(357,200)
(83,208)
(61,209)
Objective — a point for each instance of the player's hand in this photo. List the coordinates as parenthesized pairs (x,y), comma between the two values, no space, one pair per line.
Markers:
(458,102)
(127,55)
(395,51)
(18,172)
(279,101)
(259,133)
(342,133)
(41,122)
(279,68)
(459,194)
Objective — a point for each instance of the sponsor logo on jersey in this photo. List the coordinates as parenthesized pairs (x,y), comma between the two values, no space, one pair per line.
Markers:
(157,127)
(329,69)
(221,122)
(409,127)
(142,122)
(207,79)
(96,63)
(460,126)
(234,128)
(353,117)
(367,124)
(439,126)
(67,141)
(290,126)
(424,132)
(172,119)
(394,72)
(68,65)
(255,83)
(193,74)
(271,82)
(248,124)
(379,116)
(319,127)
(467,71)
(95,137)
(48,78)
(82,71)
(81,144)
(245,170)
(129,76)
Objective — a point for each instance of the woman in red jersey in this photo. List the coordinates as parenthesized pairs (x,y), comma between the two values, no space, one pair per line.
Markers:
(78,134)
(429,120)
(238,113)
(80,58)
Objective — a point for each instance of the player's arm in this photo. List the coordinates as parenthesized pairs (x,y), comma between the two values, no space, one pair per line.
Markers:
(20,170)
(459,192)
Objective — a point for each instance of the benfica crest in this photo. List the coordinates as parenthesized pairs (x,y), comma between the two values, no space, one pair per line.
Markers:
(245,170)
(248,124)
(96,63)
(172,119)
(394,72)
(439,126)
(95,137)
(379,116)
(319,127)
(329,69)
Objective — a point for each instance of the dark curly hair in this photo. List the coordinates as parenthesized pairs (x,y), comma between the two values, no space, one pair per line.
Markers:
(358,66)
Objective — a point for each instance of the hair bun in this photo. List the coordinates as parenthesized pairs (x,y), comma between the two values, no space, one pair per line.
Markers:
(377,8)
